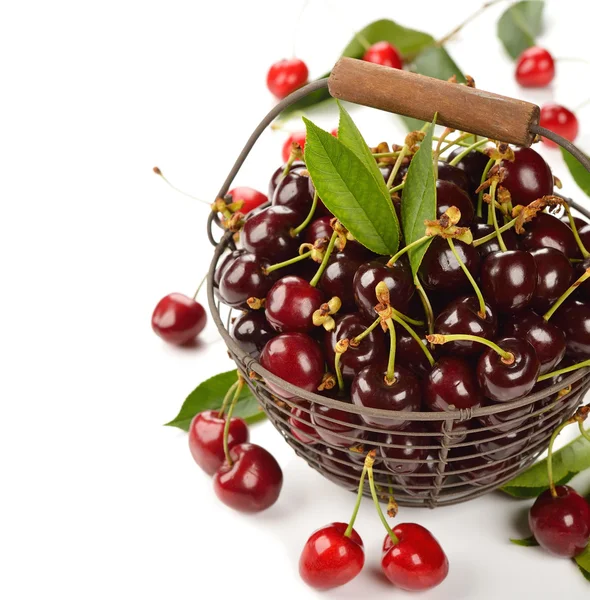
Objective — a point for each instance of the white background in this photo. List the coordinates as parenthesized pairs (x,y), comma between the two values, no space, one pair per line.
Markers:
(98,500)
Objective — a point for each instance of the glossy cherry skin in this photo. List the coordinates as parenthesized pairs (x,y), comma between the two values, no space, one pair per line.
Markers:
(440,270)
(508,280)
(451,385)
(383,53)
(584,288)
(178,319)
(404,460)
(417,562)
(249,197)
(554,276)
(560,120)
(370,390)
(419,482)
(462,316)
(398,279)
(245,277)
(371,350)
(252,483)
(223,263)
(561,525)
(453,174)
(544,336)
(573,318)
(506,447)
(205,438)
(337,279)
(318,229)
(503,422)
(251,330)
(285,76)
(295,191)
(300,423)
(297,137)
(341,434)
(409,354)
(480,230)
(528,177)
(472,164)
(330,559)
(296,358)
(504,382)
(290,304)
(268,234)
(535,67)
(278,175)
(449,194)
(480,472)
(547,231)
(346,474)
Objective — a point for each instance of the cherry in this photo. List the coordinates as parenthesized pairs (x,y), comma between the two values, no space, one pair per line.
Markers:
(502,422)
(251,330)
(449,194)
(330,558)
(508,279)
(462,316)
(205,438)
(295,191)
(573,318)
(268,233)
(547,231)
(370,350)
(296,358)
(451,385)
(285,76)
(224,261)
(416,562)
(528,177)
(480,230)
(505,379)
(252,482)
(503,448)
(409,354)
(371,390)
(300,423)
(245,277)
(480,472)
(318,229)
(440,270)
(386,172)
(560,120)
(472,164)
(453,174)
(340,434)
(419,482)
(405,459)
(579,222)
(178,319)
(561,524)
(535,67)
(344,474)
(290,304)
(579,270)
(337,278)
(397,278)
(554,276)
(383,53)
(277,176)
(249,197)
(297,137)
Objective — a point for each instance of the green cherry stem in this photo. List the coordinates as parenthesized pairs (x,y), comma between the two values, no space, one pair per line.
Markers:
(199,288)
(437,338)
(466,151)
(339,350)
(584,433)
(494,234)
(239,385)
(550,456)
(362,40)
(405,249)
(570,369)
(385,154)
(407,319)
(369,466)
(355,341)
(573,227)
(425,304)
(390,375)
(158,171)
(572,288)
(359,498)
(309,217)
(458,141)
(397,188)
(484,176)
(415,336)
(482,304)
(495,217)
(324,264)
(396,167)
(226,398)
(286,263)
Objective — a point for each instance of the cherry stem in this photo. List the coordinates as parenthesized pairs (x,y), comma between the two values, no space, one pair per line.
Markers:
(405,249)
(494,234)
(239,385)
(288,164)
(467,150)
(495,217)
(570,290)
(482,304)
(570,369)
(362,40)
(398,163)
(309,217)
(585,434)
(550,456)
(585,253)
(369,466)
(484,176)
(390,375)
(324,264)
(458,141)
(361,336)
(468,20)
(286,263)
(226,398)
(199,288)
(397,188)
(386,154)
(437,338)
(338,371)
(415,336)
(440,140)
(359,498)
(425,304)
(157,171)
(407,319)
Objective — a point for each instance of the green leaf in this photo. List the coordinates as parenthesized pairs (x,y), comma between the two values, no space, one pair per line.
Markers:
(579,173)
(583,561)
(530,541)
(567,462)
(351,191)
(519,25)
(209,396)
(419,199)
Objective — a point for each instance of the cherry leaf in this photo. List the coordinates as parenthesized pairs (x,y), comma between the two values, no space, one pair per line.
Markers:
(583,561)
(519,26)
(578,172)
(528,542)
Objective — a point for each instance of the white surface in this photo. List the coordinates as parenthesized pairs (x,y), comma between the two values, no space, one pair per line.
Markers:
(98,499)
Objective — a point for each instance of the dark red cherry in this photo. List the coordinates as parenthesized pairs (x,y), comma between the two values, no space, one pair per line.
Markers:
(579,222)
(554,275)
(268,234)
(480,472)
(561,525)
(205,438)
(222,264)
(277,176)
(341,434)
(507,445)
(472,164)
(370,350)
(251,330)
(547,231)
(290,304)
(449,194)
(398,279)
(584,288)
(252,483)
(451,385)
(344,473)
(370,390)
(440,270)
(417,562)
(544,336)
(508,280)
(300,423)
(560,120)
(249,197)
(462,316)
(318,229)
(337,279)
(535,67)
(404,459)
(285,76)
(245,277)
(502,422)
(386,172)
(384,53)
(420,482)
(480,230)
(528,177)
(295,191)
(409,354)
(503,382)
(452,174)
(178,319)
(330,559)
(573,318)
(296,358)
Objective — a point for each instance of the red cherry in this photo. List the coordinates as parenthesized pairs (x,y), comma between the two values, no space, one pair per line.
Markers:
(535,67)
(285,76)
(178,319)
(417,562)
(250,197)
(560,120)
(383,53)
(299,137)
(252,483)
(205,438)
(330,559)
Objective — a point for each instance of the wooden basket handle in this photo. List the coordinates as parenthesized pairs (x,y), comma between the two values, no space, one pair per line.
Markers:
(458,106)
